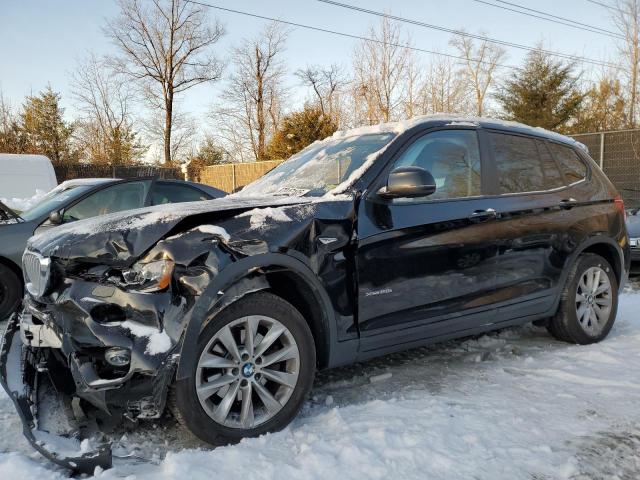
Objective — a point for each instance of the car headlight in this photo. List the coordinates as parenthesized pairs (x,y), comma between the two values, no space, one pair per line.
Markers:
(151,276)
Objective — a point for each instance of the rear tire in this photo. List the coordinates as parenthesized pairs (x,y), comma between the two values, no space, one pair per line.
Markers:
(10,291)
(588,304)
(277,379)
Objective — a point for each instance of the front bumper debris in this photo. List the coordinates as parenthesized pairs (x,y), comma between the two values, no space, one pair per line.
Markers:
(48,418)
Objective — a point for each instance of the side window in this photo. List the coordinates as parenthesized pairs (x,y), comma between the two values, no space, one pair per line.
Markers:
(518,164)
(172,193)
(552,176)
(116,198)
(573,168)
(452,157)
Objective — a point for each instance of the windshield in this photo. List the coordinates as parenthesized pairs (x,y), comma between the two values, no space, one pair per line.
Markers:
(56,198)
(320,167)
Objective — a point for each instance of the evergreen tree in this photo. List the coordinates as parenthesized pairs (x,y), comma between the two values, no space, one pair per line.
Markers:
(209,153)
(299,129)
(45,132)
(543,93)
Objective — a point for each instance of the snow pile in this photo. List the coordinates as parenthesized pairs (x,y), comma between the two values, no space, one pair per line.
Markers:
(159,341)
(214,230)
(514,405)
(23,204)
(259,217)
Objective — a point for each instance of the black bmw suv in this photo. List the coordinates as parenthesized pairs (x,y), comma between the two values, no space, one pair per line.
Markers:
(369,242)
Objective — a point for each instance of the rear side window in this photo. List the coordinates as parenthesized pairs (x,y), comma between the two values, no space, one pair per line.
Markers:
(573,168)
(552,176)
(518,163)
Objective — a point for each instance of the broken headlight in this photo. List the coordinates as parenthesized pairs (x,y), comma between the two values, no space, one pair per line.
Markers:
(151,276)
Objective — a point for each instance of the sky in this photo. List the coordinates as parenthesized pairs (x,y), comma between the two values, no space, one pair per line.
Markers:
(41,41)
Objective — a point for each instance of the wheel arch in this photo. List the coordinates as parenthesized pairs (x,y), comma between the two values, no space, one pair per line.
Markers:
(288,277)
(607,248)
(610,251)
(13,267)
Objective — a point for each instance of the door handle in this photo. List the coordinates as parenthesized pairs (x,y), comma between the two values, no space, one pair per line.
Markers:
(568,203)
(483,215)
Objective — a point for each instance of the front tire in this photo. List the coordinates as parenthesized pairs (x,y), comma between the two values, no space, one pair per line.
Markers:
(589,302)
(10,291)
(255,367)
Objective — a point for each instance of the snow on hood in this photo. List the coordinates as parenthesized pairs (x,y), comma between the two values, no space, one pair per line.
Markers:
(118,237)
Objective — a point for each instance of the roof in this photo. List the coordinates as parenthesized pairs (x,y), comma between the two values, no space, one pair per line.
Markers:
(440,119)
(86,181)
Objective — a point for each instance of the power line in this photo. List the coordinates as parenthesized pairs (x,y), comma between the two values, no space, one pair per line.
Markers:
(348,35)
(470,35)
(610,7)
(550,18)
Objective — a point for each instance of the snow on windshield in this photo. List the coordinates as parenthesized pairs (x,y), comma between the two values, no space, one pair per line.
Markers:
(321,167)
(22,204)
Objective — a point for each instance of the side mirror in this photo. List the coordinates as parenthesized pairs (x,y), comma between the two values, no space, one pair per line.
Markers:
(55,217)
(408,182)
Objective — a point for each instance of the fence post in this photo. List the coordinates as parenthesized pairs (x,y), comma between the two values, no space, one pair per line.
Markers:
(233,177)
(602,151)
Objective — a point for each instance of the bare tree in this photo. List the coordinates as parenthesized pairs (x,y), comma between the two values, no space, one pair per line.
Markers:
(480,63)
(184,133)
(415,98)
(105,100)
(444,90)
(326,84)
(166,44)
(380,67)
(626,17)
(253,97)
(11,140)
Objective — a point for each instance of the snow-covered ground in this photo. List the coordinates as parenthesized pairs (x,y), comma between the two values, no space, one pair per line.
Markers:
(510,405)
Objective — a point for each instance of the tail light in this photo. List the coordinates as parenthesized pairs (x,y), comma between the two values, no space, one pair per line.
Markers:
(619,202)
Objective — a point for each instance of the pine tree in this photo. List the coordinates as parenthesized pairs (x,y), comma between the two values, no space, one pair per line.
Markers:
(543,93)
(208,153)
(45,131)
(299,129)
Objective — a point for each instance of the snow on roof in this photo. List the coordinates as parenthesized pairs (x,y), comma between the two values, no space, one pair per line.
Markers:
(453,119)
(85,181)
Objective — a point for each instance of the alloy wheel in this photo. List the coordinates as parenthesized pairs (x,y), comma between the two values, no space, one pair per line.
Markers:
(594,298)
(247,372)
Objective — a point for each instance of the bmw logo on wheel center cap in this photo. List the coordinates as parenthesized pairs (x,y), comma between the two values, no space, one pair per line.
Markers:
(247,369)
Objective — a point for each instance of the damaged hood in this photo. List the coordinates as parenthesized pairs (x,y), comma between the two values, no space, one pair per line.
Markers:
(120,238)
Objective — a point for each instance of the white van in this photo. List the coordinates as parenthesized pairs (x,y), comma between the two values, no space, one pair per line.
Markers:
(25,176)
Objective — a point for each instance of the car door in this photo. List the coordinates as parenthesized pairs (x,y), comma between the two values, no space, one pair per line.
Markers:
(425,266)
(170,192)
(533,207)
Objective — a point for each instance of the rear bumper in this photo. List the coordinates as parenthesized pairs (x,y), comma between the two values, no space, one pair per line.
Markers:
(24,382)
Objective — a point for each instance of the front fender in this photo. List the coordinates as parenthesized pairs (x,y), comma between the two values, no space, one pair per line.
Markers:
(237,280)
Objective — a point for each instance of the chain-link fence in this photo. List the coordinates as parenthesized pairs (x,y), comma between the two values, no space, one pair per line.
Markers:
(618,153)
(82,170)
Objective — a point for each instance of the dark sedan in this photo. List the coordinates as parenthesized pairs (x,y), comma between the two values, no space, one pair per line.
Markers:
(76,200)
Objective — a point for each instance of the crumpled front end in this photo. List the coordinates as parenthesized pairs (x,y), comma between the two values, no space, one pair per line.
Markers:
(99,347)
(48,421)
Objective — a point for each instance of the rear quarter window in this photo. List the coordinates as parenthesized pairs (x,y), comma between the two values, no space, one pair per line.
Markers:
(573,168)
